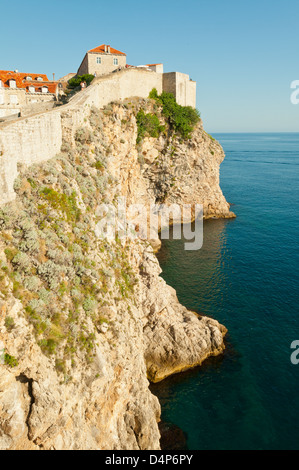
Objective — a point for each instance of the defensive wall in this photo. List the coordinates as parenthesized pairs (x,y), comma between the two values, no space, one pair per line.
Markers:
(37,138)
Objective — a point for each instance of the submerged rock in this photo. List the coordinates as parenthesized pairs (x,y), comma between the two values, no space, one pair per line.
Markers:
(172,437)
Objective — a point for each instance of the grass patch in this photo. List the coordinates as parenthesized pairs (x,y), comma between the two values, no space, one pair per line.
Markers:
(63,203)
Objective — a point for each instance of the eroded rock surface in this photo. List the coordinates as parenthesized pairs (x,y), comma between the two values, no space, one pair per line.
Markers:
(84,323)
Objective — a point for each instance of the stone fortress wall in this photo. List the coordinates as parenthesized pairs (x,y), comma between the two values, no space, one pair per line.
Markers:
(39,137)
(181,86)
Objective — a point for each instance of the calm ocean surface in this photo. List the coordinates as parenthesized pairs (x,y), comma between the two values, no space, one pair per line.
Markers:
(246,276)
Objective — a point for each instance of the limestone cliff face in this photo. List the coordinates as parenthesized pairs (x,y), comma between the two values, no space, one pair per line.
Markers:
(186,172)
(84,323)
(165,169)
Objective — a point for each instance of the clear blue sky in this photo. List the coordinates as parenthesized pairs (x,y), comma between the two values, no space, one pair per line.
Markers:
(243,54)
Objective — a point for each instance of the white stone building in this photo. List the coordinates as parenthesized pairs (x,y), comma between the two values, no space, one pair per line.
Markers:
(105,59)
(102,60)
(22,93)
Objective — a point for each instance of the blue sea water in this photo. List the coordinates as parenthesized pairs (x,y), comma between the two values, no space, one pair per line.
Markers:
(246,276)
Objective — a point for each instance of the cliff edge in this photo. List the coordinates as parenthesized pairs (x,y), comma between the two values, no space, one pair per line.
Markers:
(85,322)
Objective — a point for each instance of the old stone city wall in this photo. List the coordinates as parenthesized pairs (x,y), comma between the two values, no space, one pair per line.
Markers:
(39,137)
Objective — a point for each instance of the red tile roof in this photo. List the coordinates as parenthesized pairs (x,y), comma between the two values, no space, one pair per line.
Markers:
(101,50)
(22,82)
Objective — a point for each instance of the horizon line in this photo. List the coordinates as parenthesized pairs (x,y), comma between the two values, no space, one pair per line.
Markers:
(254,132)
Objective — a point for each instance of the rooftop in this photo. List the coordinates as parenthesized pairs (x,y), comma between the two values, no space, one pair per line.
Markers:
(103,49)
(24,80)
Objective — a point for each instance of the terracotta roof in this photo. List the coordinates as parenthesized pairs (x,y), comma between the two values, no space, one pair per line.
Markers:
(23,83)
(151,65)
(101,50)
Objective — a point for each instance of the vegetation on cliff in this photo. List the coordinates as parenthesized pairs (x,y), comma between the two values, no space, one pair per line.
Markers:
(54,264)
(148,124)
(84,321)
(182,119)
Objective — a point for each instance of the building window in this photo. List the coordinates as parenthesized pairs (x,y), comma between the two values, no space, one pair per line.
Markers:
(31,89)
(39,79)
(45,89)
(12,84)
(28,79)
(1,84)
(99,60)
(115,61)
(13,99)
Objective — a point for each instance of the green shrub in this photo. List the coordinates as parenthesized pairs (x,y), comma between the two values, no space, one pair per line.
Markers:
(62,202)
(148,124)
(212,138)
(154,94)
(22,261)
(182,118)
(89,304)
(60,366)
(32,283)
(75,82)
(48,346)
(51,273)
(99,165)
(10,361)
(9,323)
(84,136)
(10,253)
(32,183)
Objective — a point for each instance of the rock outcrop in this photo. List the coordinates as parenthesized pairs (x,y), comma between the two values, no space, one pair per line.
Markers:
(84,323)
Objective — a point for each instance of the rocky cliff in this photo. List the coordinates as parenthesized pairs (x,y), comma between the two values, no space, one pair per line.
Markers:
(85,322)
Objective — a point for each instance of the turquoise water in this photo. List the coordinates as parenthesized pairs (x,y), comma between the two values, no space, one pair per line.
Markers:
(246,276)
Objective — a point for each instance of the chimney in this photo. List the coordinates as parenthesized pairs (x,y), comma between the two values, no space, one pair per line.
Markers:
(109,49)
(106,48)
